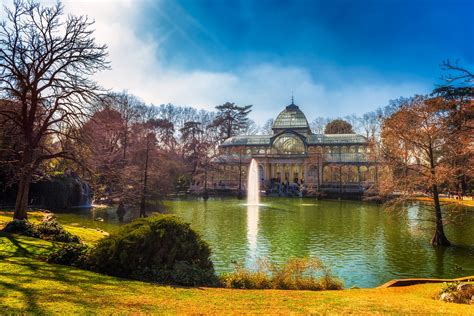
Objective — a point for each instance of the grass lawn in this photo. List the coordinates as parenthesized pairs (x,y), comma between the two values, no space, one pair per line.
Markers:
(469,203)
(27,284)
(87,235)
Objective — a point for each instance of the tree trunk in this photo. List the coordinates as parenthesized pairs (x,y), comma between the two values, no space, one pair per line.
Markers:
(125,141)
(21,204)
(145,182)
(439,238)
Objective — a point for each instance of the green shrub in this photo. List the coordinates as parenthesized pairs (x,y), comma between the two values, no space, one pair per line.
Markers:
(48,230)
(76,255)
(159,249)
(22,227)
(52,230)
(296,274)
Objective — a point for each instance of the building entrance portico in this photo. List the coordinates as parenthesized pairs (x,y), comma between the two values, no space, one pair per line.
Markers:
(283,170)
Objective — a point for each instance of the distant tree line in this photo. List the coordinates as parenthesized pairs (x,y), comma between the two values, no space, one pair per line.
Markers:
(55,119)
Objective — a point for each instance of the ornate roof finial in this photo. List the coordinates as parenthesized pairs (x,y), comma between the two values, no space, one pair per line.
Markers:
(292,100)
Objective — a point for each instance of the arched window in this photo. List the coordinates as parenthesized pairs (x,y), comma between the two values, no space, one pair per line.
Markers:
(345,176)
(353,174)
(363,173)
(327,174)
(372,174)
(289,144)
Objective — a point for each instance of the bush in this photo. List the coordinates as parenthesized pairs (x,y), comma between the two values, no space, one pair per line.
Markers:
(22,227)
(296,274)
(243,278)
(159,249)
(76,255)
(48,230)
(52,230)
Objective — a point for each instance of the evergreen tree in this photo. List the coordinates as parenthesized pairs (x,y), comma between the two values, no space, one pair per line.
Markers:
(232,119)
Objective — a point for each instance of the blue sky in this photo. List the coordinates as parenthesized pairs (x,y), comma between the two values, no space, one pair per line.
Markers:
(397,38)
(339,57)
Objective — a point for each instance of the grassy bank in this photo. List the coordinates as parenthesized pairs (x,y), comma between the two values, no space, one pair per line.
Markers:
(87,235)
(469,203)
(28,284)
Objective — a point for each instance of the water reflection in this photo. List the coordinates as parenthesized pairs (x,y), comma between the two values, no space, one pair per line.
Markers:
(252,231)
(363,244)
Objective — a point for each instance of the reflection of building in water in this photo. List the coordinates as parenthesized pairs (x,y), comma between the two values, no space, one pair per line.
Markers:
(294,160)
(252,231)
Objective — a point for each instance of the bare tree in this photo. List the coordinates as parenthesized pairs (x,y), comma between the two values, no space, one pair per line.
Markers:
(191,136)
(370,124)
(127,105)
(46,60)
(416,145)
(355,121)
(456,72)
(458,93)
(102,136)
(267,127)
(319,124)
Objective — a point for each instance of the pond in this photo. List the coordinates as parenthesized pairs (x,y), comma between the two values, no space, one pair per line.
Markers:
(362,243)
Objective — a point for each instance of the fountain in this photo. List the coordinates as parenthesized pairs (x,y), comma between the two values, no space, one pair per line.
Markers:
(253,201)
(253,190)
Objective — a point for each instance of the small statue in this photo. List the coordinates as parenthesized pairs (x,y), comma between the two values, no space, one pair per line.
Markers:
(121,211)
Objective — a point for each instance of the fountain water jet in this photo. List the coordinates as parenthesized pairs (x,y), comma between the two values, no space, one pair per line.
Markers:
(253,201)
(253,190)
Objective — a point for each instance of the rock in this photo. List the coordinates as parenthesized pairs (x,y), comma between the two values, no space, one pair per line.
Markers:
(446,297)
(61,192)
(464,287)
(49,217)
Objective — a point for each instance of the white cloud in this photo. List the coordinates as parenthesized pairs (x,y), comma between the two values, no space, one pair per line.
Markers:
(136,67)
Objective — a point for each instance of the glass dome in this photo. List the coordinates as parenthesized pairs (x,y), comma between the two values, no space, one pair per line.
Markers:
(291,118)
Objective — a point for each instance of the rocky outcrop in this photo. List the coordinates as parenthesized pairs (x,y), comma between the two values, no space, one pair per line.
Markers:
(61,192)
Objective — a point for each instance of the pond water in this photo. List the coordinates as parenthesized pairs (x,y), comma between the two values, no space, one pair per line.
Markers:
(362,243)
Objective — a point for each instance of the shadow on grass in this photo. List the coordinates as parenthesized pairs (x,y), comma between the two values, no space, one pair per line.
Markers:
(12,245)
(25,279)
(42,288)
(31,285)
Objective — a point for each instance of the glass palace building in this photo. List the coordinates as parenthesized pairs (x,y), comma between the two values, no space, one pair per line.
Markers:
(293,161)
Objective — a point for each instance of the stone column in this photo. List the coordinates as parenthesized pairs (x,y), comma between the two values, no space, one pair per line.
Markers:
(299,171)
(290,173)
(304,172)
